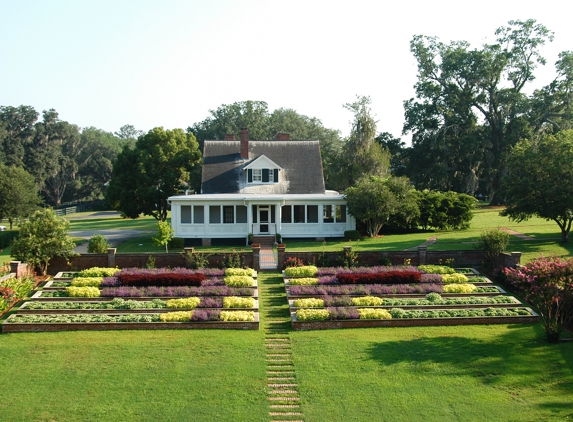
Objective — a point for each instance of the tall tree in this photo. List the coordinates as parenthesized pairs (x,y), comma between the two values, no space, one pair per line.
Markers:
(540,181)
(18,193)
(458,87)
(361,156)
(157,168)
(16,133)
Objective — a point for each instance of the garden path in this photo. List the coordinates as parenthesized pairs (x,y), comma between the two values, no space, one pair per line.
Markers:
(514,233)
(429,241)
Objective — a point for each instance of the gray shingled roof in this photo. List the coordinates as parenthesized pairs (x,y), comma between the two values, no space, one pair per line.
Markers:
(300,160)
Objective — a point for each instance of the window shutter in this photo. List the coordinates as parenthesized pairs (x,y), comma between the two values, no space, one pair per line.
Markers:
(276,179)
(250,175)
(265,175)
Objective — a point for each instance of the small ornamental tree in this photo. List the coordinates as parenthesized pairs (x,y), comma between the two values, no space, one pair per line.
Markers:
(164,234)
(547,283)
(41,238)
(493,243)
(98,244)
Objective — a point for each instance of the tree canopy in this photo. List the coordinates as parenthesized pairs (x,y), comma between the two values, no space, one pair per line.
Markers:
(159,166)
(540,180)
(18,193)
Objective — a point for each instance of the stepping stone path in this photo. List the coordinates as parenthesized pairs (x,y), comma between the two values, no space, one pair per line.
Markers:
(282,387)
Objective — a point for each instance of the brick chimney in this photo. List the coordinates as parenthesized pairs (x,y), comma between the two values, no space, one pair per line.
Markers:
(244,143)
(283,136)
(229,137)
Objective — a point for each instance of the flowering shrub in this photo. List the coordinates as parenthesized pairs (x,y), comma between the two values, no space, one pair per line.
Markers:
(34,319)
(369,313)
(172,291)
(292,261)
(388,277)
(117,303)
(86,281)
(201,315)
(12,290)
(237,316)
(239,281)
(436,269)
(324,271)
(308,303)
(240,271)
(98,272)
(454,278)
(187,302)
(161,279)
(365,289)
(82,291)
(304,281)
(547,283)
(306,271)
(312,314)
(238,302)
(459,288)
(180,316)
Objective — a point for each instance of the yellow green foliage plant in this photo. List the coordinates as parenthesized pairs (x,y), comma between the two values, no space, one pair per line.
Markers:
(87,281)
(304,281)
(454,278)
(310,302)
(179,316)
(436,269)
(89,291)
(458,288)
(306,271)
(312,314)
(369,313)
(246,316)
(238,302)
(240,271)
(98,272)
(186,302)
(367,301)
(239,281)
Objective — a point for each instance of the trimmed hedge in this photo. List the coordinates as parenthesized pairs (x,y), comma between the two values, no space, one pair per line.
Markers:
(86,281)
(187,302)
(239,281)
(306,271)
(73,291)
(305,281)
(98,272)
(388,277)
(240,271)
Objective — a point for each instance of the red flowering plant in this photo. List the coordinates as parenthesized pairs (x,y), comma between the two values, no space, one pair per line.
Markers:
(547,284)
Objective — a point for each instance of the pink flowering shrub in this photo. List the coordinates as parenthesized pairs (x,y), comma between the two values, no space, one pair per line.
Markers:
(547,284)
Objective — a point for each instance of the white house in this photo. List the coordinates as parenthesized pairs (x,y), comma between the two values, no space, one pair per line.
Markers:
(260,188)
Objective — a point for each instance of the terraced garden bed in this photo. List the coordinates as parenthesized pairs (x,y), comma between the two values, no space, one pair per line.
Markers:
(323,298)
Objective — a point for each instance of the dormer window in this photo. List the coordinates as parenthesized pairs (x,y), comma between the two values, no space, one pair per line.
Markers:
(262,171)
(263,176)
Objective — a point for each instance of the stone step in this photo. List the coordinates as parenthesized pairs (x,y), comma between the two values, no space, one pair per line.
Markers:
(284,406)
(285,414)
(279,398)
(282,385)
(283,392)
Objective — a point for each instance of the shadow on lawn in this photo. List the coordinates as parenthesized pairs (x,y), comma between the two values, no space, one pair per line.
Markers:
(520,358)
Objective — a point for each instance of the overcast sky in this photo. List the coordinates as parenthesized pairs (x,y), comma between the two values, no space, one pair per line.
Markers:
(108,63)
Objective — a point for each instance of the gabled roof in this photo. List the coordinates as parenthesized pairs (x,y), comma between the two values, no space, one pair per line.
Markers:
(262,162)
(299,161)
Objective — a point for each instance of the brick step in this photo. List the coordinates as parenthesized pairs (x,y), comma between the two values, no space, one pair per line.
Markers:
(264,240)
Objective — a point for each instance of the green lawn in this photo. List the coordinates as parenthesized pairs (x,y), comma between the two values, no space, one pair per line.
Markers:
(464,373)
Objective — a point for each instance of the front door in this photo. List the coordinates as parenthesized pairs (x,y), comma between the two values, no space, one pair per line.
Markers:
(264,214)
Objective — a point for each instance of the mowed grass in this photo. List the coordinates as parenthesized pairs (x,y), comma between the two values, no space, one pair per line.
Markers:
(175,375)
(463,373)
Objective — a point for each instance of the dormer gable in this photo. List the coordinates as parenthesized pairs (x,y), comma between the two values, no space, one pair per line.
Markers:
(262,170)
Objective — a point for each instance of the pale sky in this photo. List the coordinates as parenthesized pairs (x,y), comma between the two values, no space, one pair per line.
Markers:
(107,63)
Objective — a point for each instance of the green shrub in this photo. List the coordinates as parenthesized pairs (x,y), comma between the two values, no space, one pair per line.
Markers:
(86,281)
(436,269)
(82,291)
(370,313)
(312,314)
(179,316)
(6,238)
(98,244)
(305,281)
(351,235)
(187,302)
(454,278)
(348,259)
(177,243)
(367,301)
(492,243)
(98,272)
(433,297)
(233,260)
(237,316)
(240,271)
(239,281)
(197,260)
(306,271)
(238,302)
(459,288)
(308,303)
